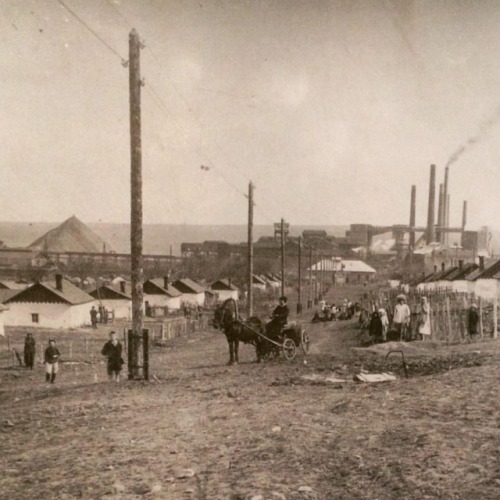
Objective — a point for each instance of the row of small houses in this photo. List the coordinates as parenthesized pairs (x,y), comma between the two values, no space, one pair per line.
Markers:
(59,303)
(482,280)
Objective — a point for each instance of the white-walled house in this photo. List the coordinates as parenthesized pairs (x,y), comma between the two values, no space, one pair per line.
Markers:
(225,290)
(192,293)
(2,319)
(119,302)
(258,283)
(50,304)
(158,292)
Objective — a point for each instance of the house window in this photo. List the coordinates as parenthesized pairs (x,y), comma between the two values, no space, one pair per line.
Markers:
(35,318)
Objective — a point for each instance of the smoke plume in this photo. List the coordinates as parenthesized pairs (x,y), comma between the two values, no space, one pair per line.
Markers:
(483,130)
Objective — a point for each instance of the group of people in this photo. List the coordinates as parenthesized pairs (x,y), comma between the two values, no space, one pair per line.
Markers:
(112,350)
(98,316)
(379,321)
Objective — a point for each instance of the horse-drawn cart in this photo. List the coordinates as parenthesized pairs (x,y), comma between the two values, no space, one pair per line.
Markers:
(290,339)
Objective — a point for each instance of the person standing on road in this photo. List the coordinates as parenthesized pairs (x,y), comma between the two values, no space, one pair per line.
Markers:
(473,322)
(401,318)
(51,360)
(385,323)
(29,351)
(93,317)
(113,351)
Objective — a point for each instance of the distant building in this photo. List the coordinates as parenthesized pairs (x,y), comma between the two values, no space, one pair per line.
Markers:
(192,292)
(225,290)
(120,303)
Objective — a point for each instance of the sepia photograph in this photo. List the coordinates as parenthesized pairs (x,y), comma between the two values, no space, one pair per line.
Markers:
(250,249)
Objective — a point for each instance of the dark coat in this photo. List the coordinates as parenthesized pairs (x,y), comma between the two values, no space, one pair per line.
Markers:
(280,314)
(114,355)
(51,354)
(375,327)
(473,322)
(29,345)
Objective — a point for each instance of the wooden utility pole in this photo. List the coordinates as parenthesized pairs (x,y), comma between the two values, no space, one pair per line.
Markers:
(309,302)
(299,303)
(316,277)
(250,249)
(282,257)
(136,197)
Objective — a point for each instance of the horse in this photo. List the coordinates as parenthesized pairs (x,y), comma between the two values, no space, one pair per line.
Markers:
(236,331)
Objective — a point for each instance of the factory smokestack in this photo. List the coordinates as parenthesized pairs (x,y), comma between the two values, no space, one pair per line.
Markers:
(447,221)
(439,233)
(464,215)
(446,214)
(413,206)
(430,234)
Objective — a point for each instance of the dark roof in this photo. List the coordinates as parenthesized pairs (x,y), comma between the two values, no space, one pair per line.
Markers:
(106,292)
(12,285)
(188,286)
(155,286)
(447,273)
(461,273)
(488,273)
(490,268)
(46,291)
(223,284)
(258,280)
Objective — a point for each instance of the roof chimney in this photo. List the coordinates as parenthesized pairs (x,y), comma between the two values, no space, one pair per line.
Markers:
(165,282)
(460,264)
(442,266)
(59,284)
(122,286)
(481,262)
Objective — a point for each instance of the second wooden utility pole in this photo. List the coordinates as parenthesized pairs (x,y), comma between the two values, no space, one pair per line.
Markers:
(250,249)
(136,198)
(299,302)
(282,257)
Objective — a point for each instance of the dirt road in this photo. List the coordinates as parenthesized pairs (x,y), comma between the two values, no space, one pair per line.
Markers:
(203,430)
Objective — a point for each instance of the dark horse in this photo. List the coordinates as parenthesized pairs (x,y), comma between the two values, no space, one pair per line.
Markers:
(236,331)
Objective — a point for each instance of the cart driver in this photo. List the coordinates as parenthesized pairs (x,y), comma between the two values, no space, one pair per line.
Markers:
(279,319)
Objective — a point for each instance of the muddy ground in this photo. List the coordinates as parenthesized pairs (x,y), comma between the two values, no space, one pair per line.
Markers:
(203,430)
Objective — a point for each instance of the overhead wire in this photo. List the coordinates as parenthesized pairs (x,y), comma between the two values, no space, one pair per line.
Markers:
(157,99)
(188,106)
(86,26)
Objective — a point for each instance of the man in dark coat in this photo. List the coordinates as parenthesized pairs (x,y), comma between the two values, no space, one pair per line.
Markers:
(473,322)
(93,317)
(279,319)
(29,351)
(113,351)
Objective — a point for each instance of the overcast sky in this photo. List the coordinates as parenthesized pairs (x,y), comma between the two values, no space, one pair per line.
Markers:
(332,108)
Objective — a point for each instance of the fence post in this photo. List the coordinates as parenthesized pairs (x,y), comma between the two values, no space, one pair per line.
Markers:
(481,317)
(448,319)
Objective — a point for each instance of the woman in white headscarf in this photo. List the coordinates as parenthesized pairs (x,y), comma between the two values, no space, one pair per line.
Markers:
(424,320)
(385,323)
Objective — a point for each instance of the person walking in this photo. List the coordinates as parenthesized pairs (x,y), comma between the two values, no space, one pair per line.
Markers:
(401,318)
(29,351)
(51,360)
(112,349)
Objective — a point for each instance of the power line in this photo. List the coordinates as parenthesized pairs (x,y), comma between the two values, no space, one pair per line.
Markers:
(83,23)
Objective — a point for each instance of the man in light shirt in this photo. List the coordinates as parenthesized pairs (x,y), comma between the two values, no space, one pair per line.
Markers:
(401,318)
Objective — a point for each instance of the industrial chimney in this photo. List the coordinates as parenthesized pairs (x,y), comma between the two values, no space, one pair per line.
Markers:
(440,233)
(413,205)
(430,233)
(59,284)
(464,215)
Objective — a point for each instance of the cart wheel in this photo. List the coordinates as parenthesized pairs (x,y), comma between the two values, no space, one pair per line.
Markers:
(304,341)
(289,349)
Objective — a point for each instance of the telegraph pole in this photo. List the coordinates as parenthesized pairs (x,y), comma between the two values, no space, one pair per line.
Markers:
(316,277)
(250,249)
(309,302)
(299,303)
(282,257)
(136,197)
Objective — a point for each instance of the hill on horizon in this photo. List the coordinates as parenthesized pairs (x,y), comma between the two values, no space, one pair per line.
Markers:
(158,238)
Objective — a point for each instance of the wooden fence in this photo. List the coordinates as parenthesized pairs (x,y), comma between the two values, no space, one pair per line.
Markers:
(448,312)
